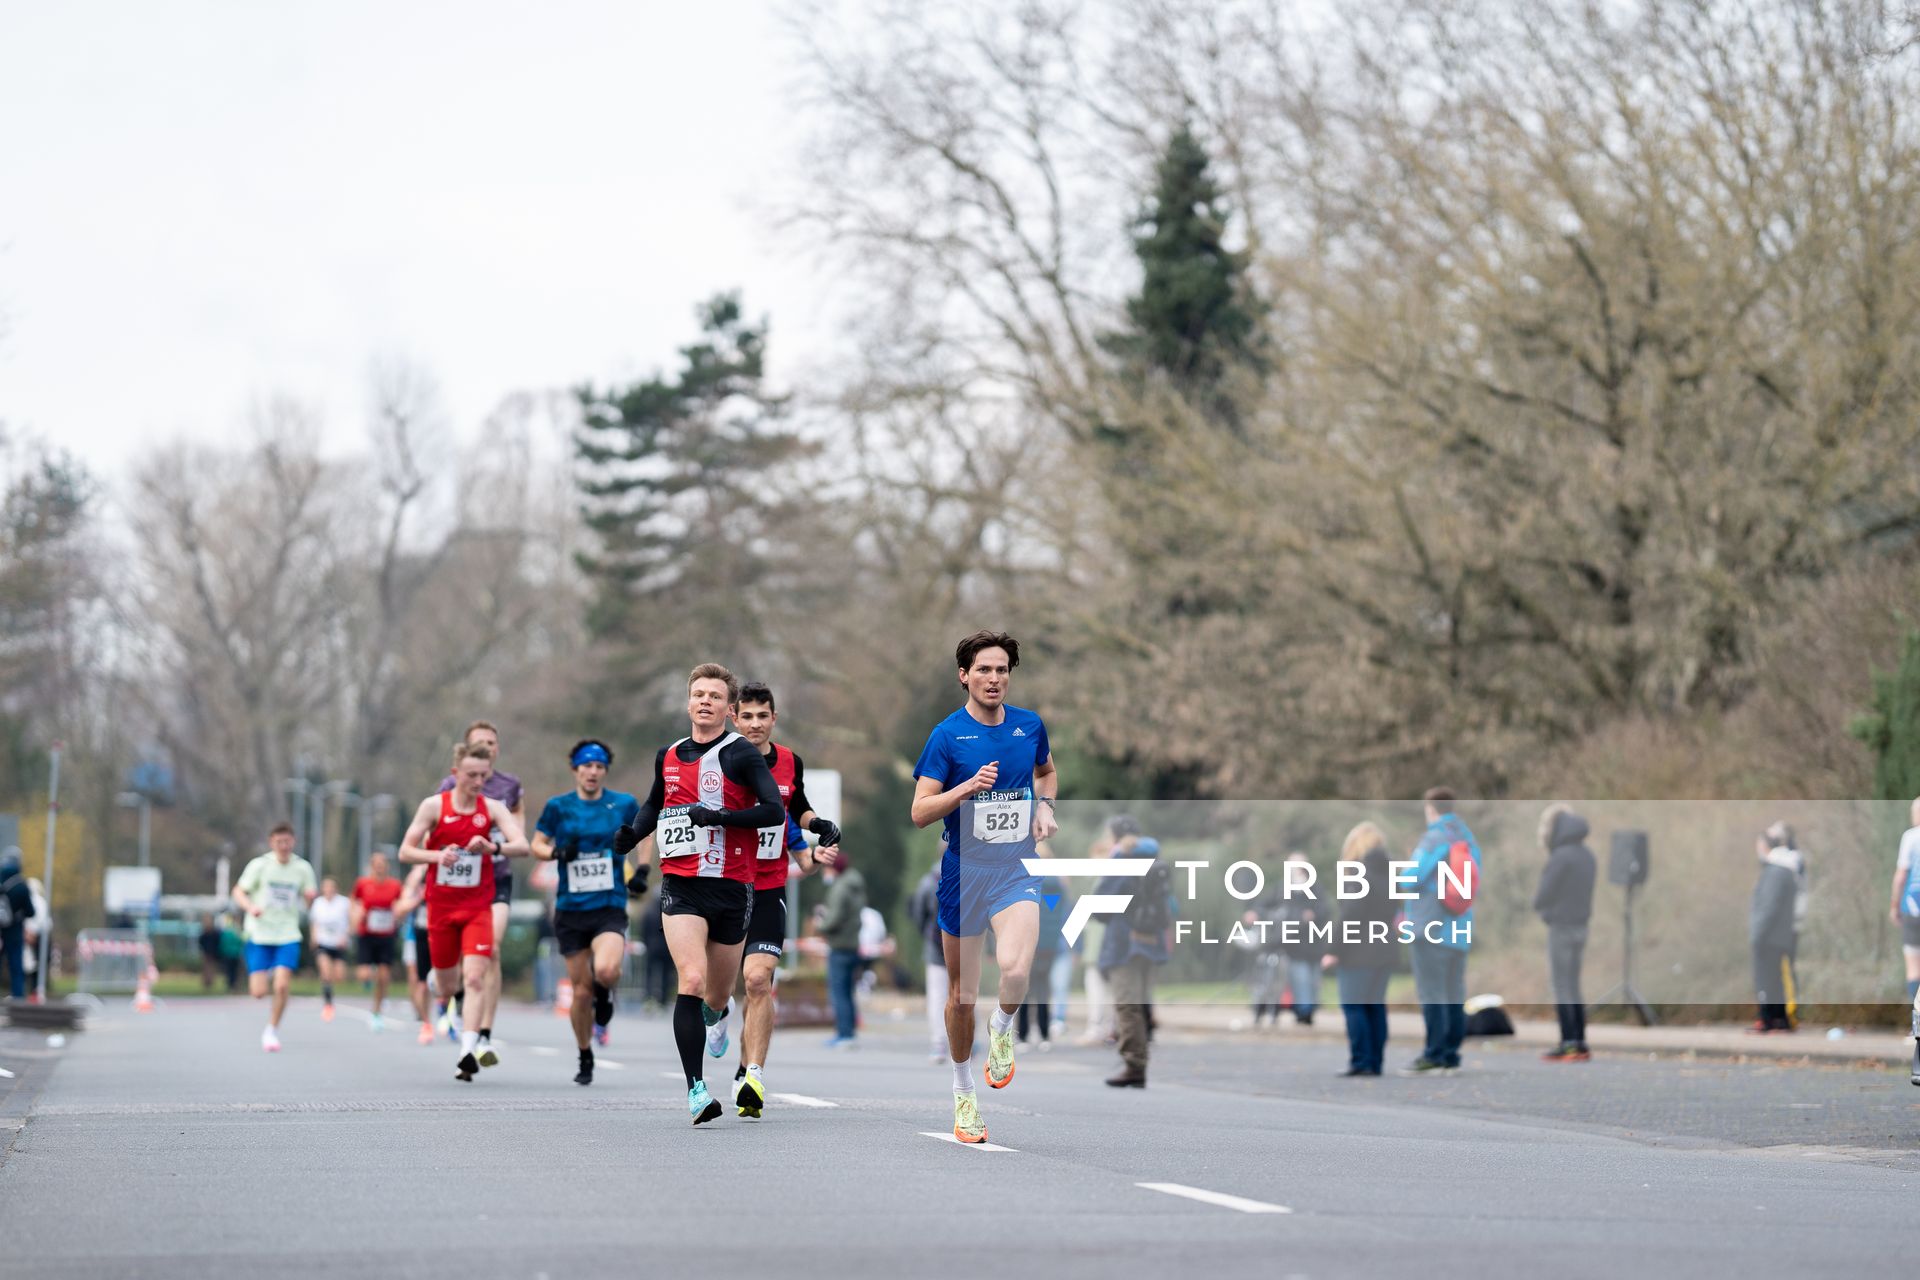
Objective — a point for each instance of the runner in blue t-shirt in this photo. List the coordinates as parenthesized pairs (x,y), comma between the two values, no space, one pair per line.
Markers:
(987,772)
(590,906)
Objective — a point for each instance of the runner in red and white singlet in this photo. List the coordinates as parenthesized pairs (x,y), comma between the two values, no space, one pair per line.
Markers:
(711,794)
(452,831)
(755,718)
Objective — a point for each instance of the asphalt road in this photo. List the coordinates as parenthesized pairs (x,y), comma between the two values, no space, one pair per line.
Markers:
(168,1144)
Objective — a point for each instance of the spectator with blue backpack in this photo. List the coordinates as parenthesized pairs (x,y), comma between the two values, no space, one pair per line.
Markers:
(1138,941)
(1906,900)
(1441,918)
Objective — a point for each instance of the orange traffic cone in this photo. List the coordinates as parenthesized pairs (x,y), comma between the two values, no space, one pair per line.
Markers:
(143,993)
(563,999)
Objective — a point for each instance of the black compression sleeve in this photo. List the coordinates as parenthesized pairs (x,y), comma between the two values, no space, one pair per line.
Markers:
(797,803)
(744,766)
(649,815)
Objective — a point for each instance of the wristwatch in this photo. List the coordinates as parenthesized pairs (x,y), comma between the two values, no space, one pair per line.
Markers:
(1049,802)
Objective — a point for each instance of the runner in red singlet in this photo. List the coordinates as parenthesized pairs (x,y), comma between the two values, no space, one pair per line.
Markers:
(755,718)
(451,830)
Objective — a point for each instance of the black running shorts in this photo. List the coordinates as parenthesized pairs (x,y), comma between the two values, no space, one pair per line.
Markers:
(767,930)
(726,905)
(375,949)
(574,931)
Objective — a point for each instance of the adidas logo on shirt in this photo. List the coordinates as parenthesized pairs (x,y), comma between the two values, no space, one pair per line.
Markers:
(1019,733)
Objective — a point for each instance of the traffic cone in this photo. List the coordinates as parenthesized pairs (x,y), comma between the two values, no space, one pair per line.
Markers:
(563,999)
(143,994)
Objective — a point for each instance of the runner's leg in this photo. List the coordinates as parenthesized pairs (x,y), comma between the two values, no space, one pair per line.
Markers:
(580,977)
(963,990)
(756,1024)
(687,943)
(282,987)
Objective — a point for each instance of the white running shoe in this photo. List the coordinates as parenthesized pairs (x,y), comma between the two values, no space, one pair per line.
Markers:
(717,1034)
(270,1041)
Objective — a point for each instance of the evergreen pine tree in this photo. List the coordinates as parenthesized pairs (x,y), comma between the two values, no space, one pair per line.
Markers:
(681,477)
(1892,729)
(1191,320)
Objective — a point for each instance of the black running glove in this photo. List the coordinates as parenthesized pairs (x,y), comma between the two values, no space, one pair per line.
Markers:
(701,816)
(637,882)
(826,830)
(625,839)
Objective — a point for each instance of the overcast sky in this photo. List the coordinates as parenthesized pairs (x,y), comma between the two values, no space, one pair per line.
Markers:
(203,202)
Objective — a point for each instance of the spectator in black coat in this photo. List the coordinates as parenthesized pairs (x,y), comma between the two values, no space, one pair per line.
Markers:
(1564,901)
(1773,931)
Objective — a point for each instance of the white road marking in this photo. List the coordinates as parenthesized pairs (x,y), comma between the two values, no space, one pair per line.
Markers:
(544,1050)
(8,1075)
(976,1146)
(1225,1201)
(609,1064)
(801,1100)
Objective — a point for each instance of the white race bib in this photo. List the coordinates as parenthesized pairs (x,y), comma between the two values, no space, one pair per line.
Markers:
(676,835)
(590,873)
(463,874)
(282,896)
(379,920)
(1002,817)
(771,843)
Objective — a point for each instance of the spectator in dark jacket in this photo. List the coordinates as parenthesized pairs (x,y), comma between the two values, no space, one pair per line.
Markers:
(838,920)
(1565,901)
(16,905)
(1300,914)
(1772,929)
(1136,944)
(1366,950)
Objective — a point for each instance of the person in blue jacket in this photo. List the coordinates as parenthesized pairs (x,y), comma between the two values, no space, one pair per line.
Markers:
(1441,938)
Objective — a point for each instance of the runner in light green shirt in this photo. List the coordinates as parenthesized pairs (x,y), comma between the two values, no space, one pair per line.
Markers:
(279,888)
(271,891)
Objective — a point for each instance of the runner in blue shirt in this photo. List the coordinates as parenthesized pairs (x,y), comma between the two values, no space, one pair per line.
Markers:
(987,773)
(590,906)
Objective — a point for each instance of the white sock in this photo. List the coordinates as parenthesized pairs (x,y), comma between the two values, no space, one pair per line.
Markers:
(1001,1020)
(963,1077)
(468,1039)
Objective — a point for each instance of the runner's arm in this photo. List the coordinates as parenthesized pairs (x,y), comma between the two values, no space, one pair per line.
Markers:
(744,766)
(412,846)
(930,803)
(411,892)
(542,846)
(1046,793)
(648,816)
(508,821)
(803,812)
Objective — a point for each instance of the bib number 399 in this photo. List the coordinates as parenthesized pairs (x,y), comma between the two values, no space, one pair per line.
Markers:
(463,874)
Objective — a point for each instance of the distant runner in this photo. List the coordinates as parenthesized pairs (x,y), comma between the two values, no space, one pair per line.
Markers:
(375,924)
(271,891)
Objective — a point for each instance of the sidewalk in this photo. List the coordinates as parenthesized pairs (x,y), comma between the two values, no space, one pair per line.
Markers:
(1810,1044)
(1710,1041)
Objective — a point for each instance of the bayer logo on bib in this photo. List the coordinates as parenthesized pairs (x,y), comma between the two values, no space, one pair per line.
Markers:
(1003,817)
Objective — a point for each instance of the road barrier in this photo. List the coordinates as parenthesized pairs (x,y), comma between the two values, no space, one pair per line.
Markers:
(113,960)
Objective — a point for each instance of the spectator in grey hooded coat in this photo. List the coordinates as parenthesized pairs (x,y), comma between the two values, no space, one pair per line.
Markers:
(1564,901)
(1773,927)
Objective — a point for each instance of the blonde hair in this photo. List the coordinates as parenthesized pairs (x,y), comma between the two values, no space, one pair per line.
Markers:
(464,751)
(1548,816)
(714,671)
(1361,841)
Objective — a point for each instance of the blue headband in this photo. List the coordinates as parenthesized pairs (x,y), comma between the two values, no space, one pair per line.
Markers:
(589,753)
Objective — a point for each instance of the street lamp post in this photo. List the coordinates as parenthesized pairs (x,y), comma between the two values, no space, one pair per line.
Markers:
(315,851)
(346,798)
(368,806)
(298,788)
(138,800)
